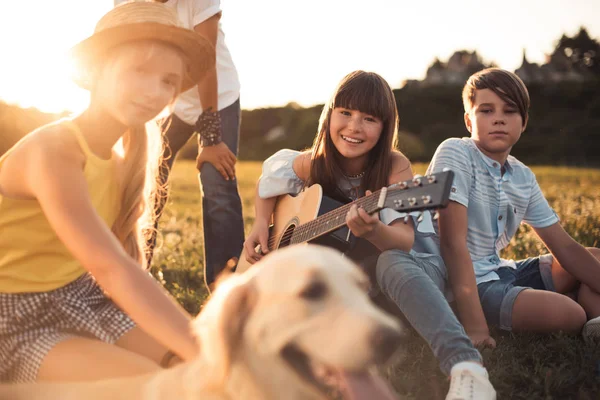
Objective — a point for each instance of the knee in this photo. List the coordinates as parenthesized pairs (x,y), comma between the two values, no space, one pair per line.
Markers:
(595,251)
(392,258)
(213,185)
(572,318)
(395,260)
(209,174)
(587,297)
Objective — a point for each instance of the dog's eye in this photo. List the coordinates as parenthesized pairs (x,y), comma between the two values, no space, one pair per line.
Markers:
(314,291)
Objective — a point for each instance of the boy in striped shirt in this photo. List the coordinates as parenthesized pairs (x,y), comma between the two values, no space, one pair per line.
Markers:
(491,194)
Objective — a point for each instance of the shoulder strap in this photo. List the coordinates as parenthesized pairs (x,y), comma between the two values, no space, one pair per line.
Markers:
(72,126)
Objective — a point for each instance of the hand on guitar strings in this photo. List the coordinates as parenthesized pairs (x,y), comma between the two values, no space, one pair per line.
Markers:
(360,222)
(257,242)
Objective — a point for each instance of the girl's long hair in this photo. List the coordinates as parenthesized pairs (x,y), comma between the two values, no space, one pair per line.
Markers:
(142,151)
(369,93)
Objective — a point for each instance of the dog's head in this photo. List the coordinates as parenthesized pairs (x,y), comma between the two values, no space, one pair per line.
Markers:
(295,320)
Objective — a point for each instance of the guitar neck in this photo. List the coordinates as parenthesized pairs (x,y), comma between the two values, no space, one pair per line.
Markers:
(334,219)
(420,193)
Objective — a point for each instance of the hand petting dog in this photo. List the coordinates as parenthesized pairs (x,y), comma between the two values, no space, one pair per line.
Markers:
(298,325)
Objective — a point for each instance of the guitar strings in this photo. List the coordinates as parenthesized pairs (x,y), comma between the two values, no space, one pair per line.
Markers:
(304,232)
(322,220)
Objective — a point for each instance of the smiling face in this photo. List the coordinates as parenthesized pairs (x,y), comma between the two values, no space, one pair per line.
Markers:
(139,81)
(495,125)
(354,134)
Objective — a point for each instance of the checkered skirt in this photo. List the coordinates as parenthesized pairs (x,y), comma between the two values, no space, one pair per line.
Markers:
(32,323)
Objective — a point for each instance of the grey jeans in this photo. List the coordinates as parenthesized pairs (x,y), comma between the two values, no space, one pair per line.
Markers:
(416,282)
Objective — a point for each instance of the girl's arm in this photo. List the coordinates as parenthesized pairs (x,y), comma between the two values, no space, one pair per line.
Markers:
(212,150)
(396,235)
(260,229)
(264,208)
(52,173)
(453,246)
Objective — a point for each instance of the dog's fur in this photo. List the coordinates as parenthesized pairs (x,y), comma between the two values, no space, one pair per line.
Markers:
(305,303)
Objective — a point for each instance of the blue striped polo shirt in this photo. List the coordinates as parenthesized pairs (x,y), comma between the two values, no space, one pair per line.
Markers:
(496,204)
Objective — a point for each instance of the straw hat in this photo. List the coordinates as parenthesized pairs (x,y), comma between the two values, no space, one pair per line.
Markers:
(143,20)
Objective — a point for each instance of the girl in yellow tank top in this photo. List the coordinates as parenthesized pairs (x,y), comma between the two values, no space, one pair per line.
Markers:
(73,209)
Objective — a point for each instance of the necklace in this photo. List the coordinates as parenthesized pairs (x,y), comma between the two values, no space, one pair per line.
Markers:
(357,176)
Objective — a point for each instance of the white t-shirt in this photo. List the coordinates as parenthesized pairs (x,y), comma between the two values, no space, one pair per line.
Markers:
(192,13)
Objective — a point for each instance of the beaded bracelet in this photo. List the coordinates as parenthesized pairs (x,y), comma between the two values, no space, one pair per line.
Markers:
(208,127)
(167,358)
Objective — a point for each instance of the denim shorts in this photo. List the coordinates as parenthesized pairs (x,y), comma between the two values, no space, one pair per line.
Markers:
(498,297)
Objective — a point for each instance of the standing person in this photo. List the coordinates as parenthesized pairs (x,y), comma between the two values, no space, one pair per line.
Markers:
(491,194)
(212,109)
(75,196)
(354,154)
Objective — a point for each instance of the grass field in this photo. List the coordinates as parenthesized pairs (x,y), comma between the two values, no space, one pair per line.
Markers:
(523,366)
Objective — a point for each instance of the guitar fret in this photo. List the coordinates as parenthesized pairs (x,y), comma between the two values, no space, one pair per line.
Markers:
(336,218)
(333,219)
(420,194)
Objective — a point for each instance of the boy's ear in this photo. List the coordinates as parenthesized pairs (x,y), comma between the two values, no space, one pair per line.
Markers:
(525,123)
(468,122)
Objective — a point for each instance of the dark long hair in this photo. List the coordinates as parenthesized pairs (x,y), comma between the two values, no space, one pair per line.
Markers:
(369,93)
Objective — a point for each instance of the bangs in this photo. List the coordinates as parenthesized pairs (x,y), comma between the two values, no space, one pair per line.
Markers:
(142,52)
(501,88)
(506,85)
(367,94)
(133,53)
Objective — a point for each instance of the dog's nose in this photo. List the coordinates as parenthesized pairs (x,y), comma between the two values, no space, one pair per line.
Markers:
(385,342)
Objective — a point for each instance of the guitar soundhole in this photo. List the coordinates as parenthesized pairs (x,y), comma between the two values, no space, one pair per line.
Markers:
(287,236)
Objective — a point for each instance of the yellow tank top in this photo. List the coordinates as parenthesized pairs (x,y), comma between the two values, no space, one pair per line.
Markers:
(32,257)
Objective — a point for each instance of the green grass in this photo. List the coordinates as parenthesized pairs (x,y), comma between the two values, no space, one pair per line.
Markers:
(523,366)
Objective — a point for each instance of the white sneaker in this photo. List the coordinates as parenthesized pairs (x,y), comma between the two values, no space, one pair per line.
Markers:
(591,329)
(469,381)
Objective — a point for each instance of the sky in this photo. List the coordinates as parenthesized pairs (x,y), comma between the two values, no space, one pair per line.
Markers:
(297,51)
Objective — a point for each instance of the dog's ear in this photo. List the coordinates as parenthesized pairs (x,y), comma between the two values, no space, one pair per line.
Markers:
(220,324)
(225,274)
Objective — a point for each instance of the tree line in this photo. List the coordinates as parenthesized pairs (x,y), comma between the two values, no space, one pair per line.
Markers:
(564,125)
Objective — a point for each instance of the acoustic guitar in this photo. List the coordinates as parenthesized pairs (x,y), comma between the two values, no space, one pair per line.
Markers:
(312,217)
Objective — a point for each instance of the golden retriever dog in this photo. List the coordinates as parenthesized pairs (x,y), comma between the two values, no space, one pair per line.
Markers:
(297,325)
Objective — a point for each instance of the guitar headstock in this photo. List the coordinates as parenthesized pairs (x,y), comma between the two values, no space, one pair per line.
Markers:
(421,193)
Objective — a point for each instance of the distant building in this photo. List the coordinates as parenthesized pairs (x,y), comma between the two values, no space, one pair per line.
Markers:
(558,68)
(456,71)
(529,72)
(462,64)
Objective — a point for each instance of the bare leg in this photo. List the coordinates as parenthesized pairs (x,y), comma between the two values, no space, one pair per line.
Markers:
(80,359)
(139,342)
(565,282)
(544,311)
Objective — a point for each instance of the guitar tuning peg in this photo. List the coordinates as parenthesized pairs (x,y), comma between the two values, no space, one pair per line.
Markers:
(431,179)
(417,180)
(402,185)
(426,199)
(436,215)
(405,219)
(420,217)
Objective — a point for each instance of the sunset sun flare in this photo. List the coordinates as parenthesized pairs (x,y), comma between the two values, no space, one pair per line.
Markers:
(281,54)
